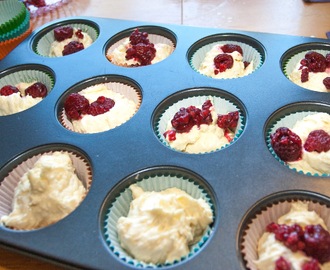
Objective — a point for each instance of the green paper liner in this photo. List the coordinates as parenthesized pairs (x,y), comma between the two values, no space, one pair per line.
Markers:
(127,91)
(13,13)
(289,121)
(249,54)
(45,42)
(271,213)
(290,65)
(28,76)
(9,183)
(19,30)
(221,105)
(120,207)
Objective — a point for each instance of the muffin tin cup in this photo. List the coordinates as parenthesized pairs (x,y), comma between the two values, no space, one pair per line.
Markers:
(287,117)
(292,57)
(16,168)
(252,51)
(196,97)
(156,35)
(117,84)
(270,209)
(44,39)
(153,179)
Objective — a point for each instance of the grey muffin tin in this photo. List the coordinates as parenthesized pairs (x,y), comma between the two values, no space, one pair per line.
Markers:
(237,177)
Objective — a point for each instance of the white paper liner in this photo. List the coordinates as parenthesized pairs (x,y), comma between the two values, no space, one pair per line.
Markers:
(126,90)
(121,208)
(45,42)
(152,38)
(249,54)
(9,183)
(289,121)
(258,225)
(221,105)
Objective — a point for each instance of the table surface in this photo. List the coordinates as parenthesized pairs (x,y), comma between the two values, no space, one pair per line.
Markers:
(289,17)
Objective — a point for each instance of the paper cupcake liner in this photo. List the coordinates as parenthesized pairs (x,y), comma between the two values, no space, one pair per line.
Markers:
(13,14)
(289,121)
(127,91)
(249,54)
(221,105)
(8,45)
(44,43)
(120,207)
(19,30)
(271,213)
(10,182)
(152,38)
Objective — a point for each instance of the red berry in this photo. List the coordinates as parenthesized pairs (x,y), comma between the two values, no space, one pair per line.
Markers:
(317,140)
(304,75)
(100,106)
(75,105)
(246,64)
(317,241)
(315,62)
(72,47)
(282,264)
(63,32)
(171,134)
(326,83)
(327,60)
(223,62)
(228,121)
(79,34)
(36,90)
(311,265)
(286,144)
(143,53)
(7,90)
(229,48)
(139,37)
(37,3)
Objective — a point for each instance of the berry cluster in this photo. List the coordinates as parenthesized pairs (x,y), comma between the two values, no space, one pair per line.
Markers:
(36,3)
(77,105)
(186,118)
(141,49)
(64,32)
(288,146)
(36,90)
(315,62)
(224,61)
(282,264)
(313,240)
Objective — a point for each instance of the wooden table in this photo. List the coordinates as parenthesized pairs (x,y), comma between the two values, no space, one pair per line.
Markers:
(291,17)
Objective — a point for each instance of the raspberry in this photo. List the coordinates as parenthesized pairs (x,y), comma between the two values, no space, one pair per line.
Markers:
(72,47)
(304,75)
(317,241)
(171,135)
(282,264)
(228,121)
(37,3)
(317,140)
(223,62)
(100,106)
(76,105)
(286,144)
(326,83)
(315,62)
(139,37)
(143,53)
(63,32)
(311,265)
(186,118)
(36,90)
(229,48)
(246,64)
(327,60)
(79,34)
(7,90)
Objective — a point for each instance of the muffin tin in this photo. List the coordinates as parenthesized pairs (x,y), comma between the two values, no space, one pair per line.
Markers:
(236,177)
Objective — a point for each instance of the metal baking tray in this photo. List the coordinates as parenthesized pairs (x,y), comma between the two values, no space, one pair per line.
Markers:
(238,176)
